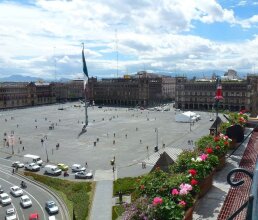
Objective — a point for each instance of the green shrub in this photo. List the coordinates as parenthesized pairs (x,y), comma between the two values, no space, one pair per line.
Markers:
(125,185)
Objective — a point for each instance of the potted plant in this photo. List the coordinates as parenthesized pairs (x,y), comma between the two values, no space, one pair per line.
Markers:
(163,196)
(218,146)
(199,166)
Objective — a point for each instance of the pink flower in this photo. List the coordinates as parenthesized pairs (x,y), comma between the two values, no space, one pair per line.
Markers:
(204,157)
(157,200)
(183,192)
(174,192)
(182,203)
(186,186)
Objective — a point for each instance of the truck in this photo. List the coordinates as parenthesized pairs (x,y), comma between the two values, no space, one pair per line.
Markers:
(29,158)
(52,170)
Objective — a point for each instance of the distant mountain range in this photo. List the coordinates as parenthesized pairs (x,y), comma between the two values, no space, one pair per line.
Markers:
(20,78)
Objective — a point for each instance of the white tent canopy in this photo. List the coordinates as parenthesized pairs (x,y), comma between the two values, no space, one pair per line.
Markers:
(186,117)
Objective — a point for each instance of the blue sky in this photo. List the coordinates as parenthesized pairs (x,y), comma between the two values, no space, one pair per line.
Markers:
(43,38)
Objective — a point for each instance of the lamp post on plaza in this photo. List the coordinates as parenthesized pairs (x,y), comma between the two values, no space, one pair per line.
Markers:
(156,149)
(11,140)
(44,145)
(218,97)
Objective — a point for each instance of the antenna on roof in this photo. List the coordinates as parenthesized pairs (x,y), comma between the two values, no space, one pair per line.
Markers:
(116,55)
(55,61)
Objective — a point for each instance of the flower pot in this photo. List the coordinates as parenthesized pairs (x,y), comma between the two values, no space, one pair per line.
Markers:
(189,213)
(205,184)
(222,162)
(233,144)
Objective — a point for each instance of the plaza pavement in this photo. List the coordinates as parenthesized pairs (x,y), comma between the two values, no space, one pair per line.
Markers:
(119,133)
(134,130)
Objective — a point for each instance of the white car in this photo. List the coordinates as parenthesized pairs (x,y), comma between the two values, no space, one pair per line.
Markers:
(16,191)
(77,168)
(51,207)
(5,199)
(17,164)
(25,201)
(10,214)
(32,167)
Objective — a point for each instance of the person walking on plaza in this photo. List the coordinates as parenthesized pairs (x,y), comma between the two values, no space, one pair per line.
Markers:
(86,164)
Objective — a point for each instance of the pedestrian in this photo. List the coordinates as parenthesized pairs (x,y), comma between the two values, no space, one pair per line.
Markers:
(86,164)
(140,141)
(13,170)
(142,164)
(125,135)
(23,148)
(113,169)
(36,126)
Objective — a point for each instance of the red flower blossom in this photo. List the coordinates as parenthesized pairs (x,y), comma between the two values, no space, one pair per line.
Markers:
(194,182)
(217,147)
(142,187)
(216,139)
(193,172)
(226,143)
(209,150)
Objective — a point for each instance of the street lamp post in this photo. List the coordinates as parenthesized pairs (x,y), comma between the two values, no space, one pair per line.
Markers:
(157,140)
(44,145)
(218,97)
(11,140)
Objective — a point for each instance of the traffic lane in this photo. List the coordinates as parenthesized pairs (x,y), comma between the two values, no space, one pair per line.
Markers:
(38,195)
(7,180)
(7,161)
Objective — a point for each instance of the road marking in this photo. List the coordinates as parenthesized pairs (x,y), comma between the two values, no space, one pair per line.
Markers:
(7,173)
(26,192)
(22,213)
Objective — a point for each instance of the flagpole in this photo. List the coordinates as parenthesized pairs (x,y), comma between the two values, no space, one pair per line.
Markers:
(85,93)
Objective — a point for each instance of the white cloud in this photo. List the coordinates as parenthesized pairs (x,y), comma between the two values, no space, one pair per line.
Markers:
(153,33)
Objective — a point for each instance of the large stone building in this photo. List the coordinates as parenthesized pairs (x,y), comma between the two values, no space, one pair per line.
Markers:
(13,95)
(199,95)
(21,94)
(143,89)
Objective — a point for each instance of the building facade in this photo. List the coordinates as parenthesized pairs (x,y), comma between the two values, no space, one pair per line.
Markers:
(237,95)
(142,89)
(21,94)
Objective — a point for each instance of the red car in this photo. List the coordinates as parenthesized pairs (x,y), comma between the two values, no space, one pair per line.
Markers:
(34,216)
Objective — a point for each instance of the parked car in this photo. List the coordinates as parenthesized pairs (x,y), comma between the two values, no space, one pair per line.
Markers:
(5,199)
(83,175)
(10,214)
(51,207)
(34,216)
(62,166)
(17,164)
(32,167)
(16,191)
(77,168)
(52,170)
(25,201)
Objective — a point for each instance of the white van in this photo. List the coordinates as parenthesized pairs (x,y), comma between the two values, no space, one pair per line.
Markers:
(52,170)
(29,158)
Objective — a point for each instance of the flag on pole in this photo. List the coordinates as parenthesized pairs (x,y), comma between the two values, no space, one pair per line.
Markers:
(85,70)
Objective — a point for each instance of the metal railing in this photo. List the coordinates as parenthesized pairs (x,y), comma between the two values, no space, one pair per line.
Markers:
(252,202)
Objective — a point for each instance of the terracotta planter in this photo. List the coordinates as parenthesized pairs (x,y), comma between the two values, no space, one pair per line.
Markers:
(189,214)
(233,144)
(222,162)
(205,185)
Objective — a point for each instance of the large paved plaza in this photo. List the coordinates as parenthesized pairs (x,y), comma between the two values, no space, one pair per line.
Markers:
(118,132)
